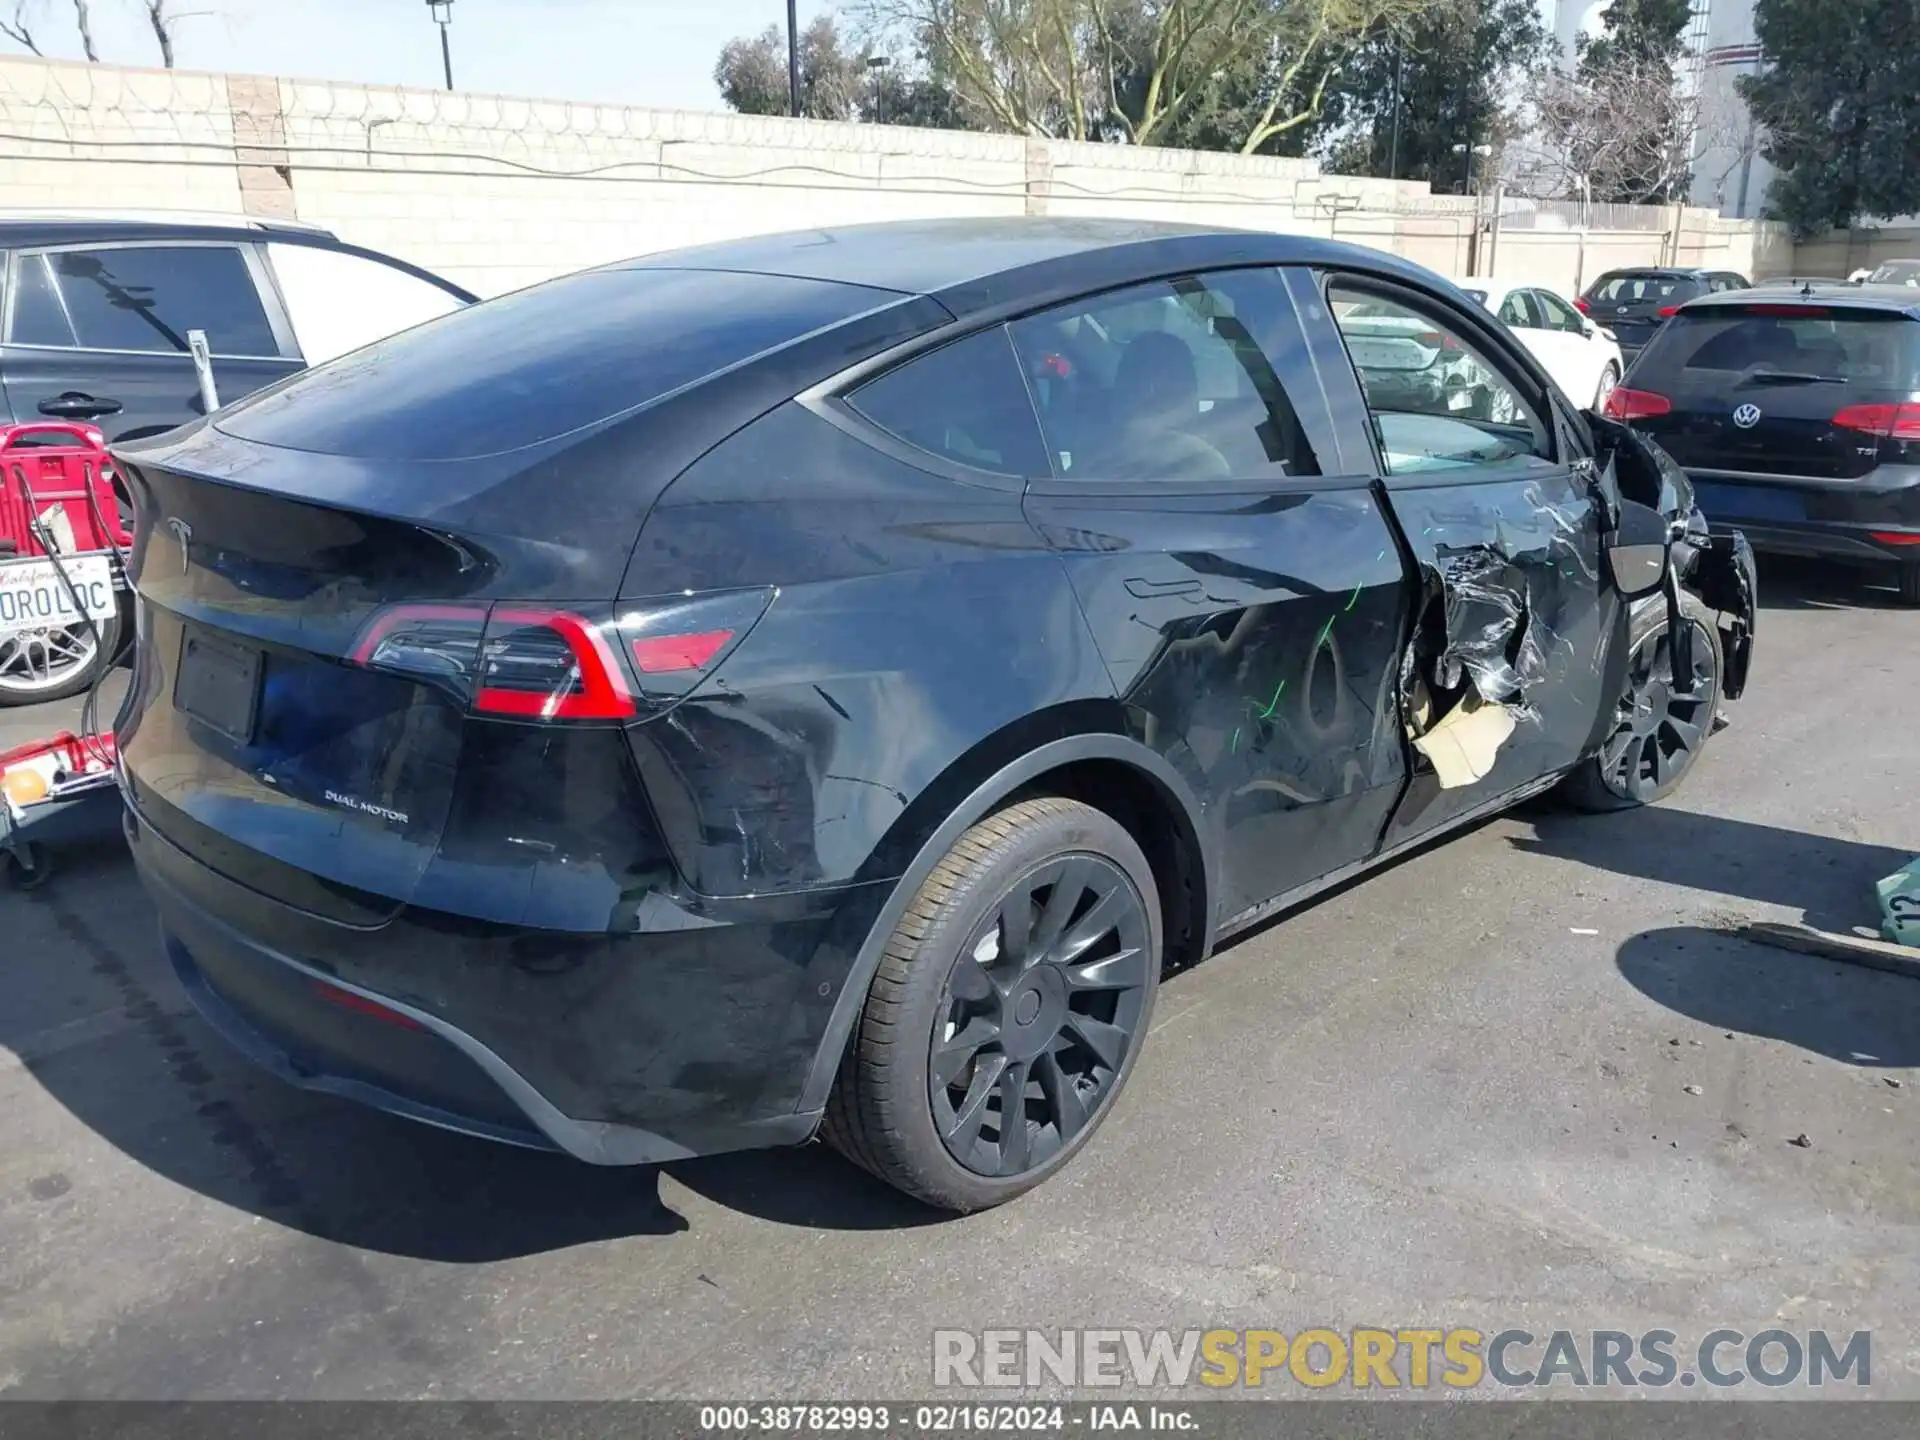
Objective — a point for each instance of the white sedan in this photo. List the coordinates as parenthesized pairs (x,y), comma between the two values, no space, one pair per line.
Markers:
(1583,359)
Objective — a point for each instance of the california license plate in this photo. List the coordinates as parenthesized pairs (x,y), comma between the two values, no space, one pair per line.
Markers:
(35,595)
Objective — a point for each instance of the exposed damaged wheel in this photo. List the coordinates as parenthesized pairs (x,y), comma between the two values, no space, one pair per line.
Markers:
(1661,722)
(1008,1010)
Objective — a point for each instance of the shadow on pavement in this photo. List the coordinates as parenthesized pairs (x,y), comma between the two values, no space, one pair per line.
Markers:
(1844,1012)
(1790,582)
(99,1022)
(1830,880)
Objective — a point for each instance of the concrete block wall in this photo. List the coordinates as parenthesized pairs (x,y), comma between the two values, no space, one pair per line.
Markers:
(498,192)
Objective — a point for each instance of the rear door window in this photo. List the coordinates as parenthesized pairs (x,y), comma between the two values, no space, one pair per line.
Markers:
(965,402)
(1172,380)
(1519,311)
(141,298)
(1557,314)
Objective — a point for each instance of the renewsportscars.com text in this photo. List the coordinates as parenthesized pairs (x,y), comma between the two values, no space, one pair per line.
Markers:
(1416,1358)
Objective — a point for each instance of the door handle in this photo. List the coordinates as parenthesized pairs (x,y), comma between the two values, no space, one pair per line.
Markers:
(75,405)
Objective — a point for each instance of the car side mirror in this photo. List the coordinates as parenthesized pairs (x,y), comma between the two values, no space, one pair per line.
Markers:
(1637,551)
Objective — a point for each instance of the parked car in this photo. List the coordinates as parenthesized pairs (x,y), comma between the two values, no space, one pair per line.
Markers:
(1582,356)
(816,682)
(1792,412)
(1893,272)
(96,332)
(1635,303)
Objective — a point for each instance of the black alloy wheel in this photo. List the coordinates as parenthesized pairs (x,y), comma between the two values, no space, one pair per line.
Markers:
(1660,723)
(1038,1016)
(1010,1005)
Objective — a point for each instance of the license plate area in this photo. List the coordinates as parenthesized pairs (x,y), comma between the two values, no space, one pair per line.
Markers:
(219,685)
(1749,502)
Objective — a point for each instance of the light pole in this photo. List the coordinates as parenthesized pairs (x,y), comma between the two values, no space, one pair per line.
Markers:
(443,17)
(1393,148)
(793,61)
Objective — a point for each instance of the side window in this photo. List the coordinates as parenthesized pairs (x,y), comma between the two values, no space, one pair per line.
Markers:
(964,403)
(141,297)
(339,302)
(1517,310)
(1437,402)
(1173,380)
(1559,315)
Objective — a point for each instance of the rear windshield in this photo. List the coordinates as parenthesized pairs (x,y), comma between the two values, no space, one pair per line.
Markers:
(1871,351)
(541,362)
(1630,289)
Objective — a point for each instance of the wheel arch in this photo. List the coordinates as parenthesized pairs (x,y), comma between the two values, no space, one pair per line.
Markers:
(1100,767)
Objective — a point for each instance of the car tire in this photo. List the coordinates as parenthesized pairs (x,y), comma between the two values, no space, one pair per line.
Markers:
(106,646)
(1909,583)
(1609,382)
(1657,735)
(919,1088)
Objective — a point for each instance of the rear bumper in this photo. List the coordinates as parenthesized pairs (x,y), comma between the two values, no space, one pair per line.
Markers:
(553,1058)
(1828,519)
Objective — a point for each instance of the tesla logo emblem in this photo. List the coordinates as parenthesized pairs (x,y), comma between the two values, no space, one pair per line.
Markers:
(182,532)
(1747,416)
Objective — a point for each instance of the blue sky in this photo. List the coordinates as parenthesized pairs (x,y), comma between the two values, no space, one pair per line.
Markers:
(637,52)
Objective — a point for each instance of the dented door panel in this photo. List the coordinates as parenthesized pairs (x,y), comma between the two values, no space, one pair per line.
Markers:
(1252,637)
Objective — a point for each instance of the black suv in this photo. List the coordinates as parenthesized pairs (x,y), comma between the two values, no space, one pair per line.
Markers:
(819,681)
(1635,303)
(1794,414)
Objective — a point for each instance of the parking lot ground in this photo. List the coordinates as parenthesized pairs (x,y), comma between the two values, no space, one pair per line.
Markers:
(1523,1079)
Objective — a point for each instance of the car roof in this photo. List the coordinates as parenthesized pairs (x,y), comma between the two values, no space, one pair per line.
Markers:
(1661,272)
(1816,295)
(975,265)
(62,227)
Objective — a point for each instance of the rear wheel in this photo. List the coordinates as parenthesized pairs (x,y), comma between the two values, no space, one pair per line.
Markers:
(1008,1010)
(1660,723)
(1909,583)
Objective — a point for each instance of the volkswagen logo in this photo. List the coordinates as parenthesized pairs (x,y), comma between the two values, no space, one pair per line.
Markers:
(1747,416)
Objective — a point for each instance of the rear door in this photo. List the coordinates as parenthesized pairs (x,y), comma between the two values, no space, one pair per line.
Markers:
(99,332)
(1234,561)
(1498,508)
(1756,388)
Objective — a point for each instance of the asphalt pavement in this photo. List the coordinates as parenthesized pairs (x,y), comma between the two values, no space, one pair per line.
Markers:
(1524,1079)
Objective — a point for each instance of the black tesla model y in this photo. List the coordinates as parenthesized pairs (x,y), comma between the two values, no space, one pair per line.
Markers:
(818,683)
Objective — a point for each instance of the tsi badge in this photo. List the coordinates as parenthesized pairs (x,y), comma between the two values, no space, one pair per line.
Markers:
(1747,416)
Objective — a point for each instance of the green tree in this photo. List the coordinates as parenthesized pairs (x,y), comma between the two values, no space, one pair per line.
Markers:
(1448,77)
(1637,30)
(751,73)
(1839,106)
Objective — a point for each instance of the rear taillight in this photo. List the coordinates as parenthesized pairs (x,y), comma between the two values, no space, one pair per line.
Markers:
(1667,312)
(1583,307)
(1888,422)
(1624,404)
(1895,537)
(540,663)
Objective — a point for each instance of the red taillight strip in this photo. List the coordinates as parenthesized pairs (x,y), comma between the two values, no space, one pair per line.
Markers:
(666,654)
(1895,537)
(387,621)
(605,693)
(1624,404)
(360,1004)
(1888,421)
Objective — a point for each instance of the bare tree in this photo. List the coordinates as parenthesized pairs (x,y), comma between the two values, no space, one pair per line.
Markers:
(162,16)
(20,28)
(1624,136)
(1132,69)
(83,17)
